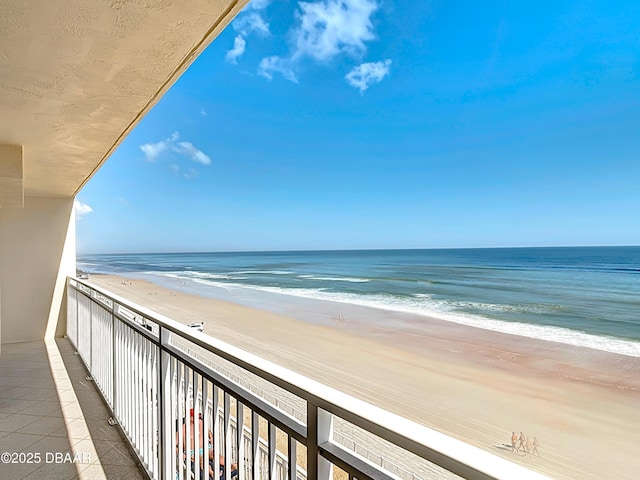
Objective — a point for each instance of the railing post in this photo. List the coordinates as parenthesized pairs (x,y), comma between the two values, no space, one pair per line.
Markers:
(114,370)
(227,435)
(240,439)
(91,332)
(255,441)
(292,473)
(271,435)
(325,434)
(166,434)
(77,342)
(312,441)
(319,431)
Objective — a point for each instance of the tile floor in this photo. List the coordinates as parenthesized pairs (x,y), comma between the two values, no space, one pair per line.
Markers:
(49,414)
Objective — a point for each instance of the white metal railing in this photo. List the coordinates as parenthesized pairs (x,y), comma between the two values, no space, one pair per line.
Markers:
(151,382)
(263,448)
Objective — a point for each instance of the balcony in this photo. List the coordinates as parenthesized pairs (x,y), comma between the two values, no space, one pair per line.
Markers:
(261,420)
(53,422)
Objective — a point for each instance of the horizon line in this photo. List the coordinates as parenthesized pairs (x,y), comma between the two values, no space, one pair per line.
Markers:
(357,249)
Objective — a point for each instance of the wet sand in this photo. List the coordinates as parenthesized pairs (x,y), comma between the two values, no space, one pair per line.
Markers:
(472,384)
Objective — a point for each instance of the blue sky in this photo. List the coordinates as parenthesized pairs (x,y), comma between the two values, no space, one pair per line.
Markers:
(341,124)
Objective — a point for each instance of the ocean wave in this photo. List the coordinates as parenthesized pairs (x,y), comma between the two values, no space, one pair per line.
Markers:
(443,310)
(498,307)
(193,275)
(260,272)
(425,305)
(336,279)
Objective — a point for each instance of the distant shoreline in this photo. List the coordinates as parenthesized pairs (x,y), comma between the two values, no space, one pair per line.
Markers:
(196,252)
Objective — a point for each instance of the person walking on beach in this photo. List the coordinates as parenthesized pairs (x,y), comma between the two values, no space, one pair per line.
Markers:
(528,447)
(522,442)
(514,440)
(535,446)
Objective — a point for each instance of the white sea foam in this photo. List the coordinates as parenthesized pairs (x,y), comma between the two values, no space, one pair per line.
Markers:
(425,305)
(193,275)
(336,279)
(443,310)
(89,264)
(495,307)
(260,272)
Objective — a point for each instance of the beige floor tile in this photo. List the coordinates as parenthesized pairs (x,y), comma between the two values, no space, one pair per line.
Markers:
(115,457)
(11,392)
(51,446)
(15,422)
(101,430)
(36,415)
(66,471)
(11,405)
(123,472)
(62,432)
(6,382)
(17,470)
(44,426)
(16,442)
(7,372)
(43,409)
(73,410)
(38,394)
(75,429)
(93,472)
(63,384)
(68,395)
(103,447)
(87,447)
(30,382)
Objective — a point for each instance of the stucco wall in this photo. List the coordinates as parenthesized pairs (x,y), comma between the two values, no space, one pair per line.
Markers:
(37,252)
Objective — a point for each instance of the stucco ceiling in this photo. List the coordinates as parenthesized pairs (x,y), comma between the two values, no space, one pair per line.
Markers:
(77,75)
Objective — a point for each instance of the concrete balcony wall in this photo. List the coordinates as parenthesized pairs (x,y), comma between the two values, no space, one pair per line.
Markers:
(37,253)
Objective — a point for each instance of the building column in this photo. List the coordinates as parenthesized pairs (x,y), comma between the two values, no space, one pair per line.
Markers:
(37,253)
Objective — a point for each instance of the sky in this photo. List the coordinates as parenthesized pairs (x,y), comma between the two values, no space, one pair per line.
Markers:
(359,124)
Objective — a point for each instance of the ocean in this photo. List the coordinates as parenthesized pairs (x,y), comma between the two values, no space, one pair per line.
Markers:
(583,296)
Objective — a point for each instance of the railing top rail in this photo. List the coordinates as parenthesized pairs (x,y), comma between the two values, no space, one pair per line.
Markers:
(451,454)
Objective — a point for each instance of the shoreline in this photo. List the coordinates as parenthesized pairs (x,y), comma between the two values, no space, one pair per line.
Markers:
(407,318)
(473,384)
(448,339)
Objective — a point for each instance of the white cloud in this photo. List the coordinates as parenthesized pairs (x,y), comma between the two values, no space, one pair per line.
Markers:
(269,65)
(197,155)
(123,201)
(192,173)
(324,30)
(239,45)
(366,74)
(153,150)
(258,4)
(331,27)
(174,168)
(81,209)
(203,112)
(251,22)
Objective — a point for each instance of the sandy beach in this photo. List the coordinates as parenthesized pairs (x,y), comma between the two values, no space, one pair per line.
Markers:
(472,384)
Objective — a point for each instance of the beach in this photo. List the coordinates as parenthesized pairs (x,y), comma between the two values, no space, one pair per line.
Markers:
(473,384)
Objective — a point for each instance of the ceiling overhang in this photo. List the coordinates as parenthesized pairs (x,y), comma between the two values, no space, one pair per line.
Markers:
(77,75)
